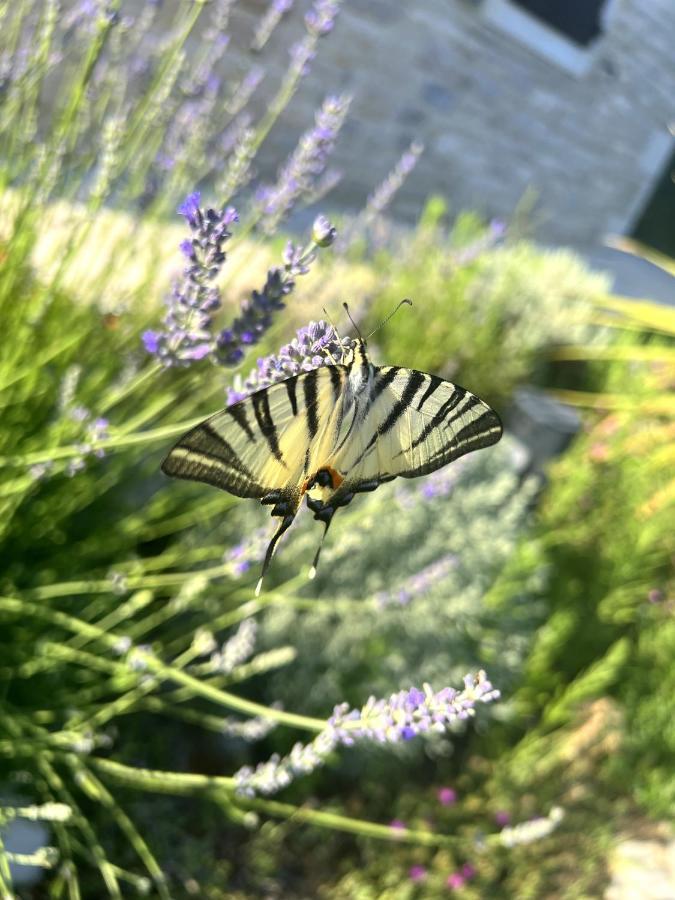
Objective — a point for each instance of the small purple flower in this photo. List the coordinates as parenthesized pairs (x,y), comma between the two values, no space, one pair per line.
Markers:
(321,17)
(502,817)
(446,796)
(151,341)
(420,584)
(468,871)
(323,233)
(397,825)
(190,209)
(655,595)
(417,874)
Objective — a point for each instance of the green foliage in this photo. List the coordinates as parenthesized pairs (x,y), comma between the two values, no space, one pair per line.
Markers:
(411,602)
(114,589)
(492,311)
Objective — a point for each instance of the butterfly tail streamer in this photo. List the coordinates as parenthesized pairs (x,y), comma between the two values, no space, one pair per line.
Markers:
(286,523)
(327,519)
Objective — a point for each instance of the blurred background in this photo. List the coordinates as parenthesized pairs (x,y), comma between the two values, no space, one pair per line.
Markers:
(507,164)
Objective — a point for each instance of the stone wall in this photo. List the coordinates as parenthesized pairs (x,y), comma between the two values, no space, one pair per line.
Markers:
(496,116)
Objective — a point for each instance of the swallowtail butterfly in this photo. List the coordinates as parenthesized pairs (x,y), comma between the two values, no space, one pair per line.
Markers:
(331,433)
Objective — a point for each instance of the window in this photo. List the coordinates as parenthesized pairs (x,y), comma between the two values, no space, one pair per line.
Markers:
(579,20)
(564,32)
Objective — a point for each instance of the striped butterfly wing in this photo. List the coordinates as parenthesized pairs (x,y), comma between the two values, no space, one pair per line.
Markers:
(415,423)
(265,444)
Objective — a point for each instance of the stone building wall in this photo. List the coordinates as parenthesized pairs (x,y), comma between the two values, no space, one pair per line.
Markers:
(496,117)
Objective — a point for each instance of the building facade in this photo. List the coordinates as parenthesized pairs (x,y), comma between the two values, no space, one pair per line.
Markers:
(572,101)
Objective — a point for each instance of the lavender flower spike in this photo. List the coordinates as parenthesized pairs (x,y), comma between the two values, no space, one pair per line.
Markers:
(257,311)
(316,344)
(321,17)
(297,177)
(186,335)
(400,718)
(380,199)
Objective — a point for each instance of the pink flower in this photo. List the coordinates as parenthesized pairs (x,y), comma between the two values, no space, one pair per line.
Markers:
(468,871)
(397,825)
(417,873)
(502,817)
(446,796)
(456,880)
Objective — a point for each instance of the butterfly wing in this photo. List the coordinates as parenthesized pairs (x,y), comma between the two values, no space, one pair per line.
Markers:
(414,423)
(267,443)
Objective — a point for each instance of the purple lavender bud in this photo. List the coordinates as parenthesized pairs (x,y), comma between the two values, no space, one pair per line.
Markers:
(321,17)
(187,249)
(190,209)
(323,233)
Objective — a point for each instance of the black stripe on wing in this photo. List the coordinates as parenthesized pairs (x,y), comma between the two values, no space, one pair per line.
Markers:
(261,408)
(483,430)
(400,407)
(311,394)
(203,455)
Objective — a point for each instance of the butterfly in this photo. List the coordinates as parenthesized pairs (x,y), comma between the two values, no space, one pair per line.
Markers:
(331,433)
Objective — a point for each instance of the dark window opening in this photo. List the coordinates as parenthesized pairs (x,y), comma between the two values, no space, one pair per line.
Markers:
(656,225)
(579,20)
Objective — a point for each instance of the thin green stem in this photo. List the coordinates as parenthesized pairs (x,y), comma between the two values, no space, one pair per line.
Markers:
(156,667)
(113,443)
(5,874)
(187,784)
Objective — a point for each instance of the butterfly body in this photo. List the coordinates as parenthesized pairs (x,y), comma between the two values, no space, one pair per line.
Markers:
(331,433)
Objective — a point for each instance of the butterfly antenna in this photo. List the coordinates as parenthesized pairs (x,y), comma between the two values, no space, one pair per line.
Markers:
(405,302)
(286,523)
(356,327)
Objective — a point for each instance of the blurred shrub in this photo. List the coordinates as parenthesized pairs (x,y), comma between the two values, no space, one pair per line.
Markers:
(400,592)
(487,306)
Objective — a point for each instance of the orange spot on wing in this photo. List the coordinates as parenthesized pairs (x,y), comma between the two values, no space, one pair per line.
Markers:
(336,477)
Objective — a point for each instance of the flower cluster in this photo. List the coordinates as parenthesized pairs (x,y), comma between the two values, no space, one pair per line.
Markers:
(276,10)
(257,311)
(435,485)
(187,325)
(315,345)
(46,812)
(398,718)
(299,173)
(236,650)
(419,584)
(458,879)
(251,550)
(254,729)
(532,830)
(95,431)
(320,19)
